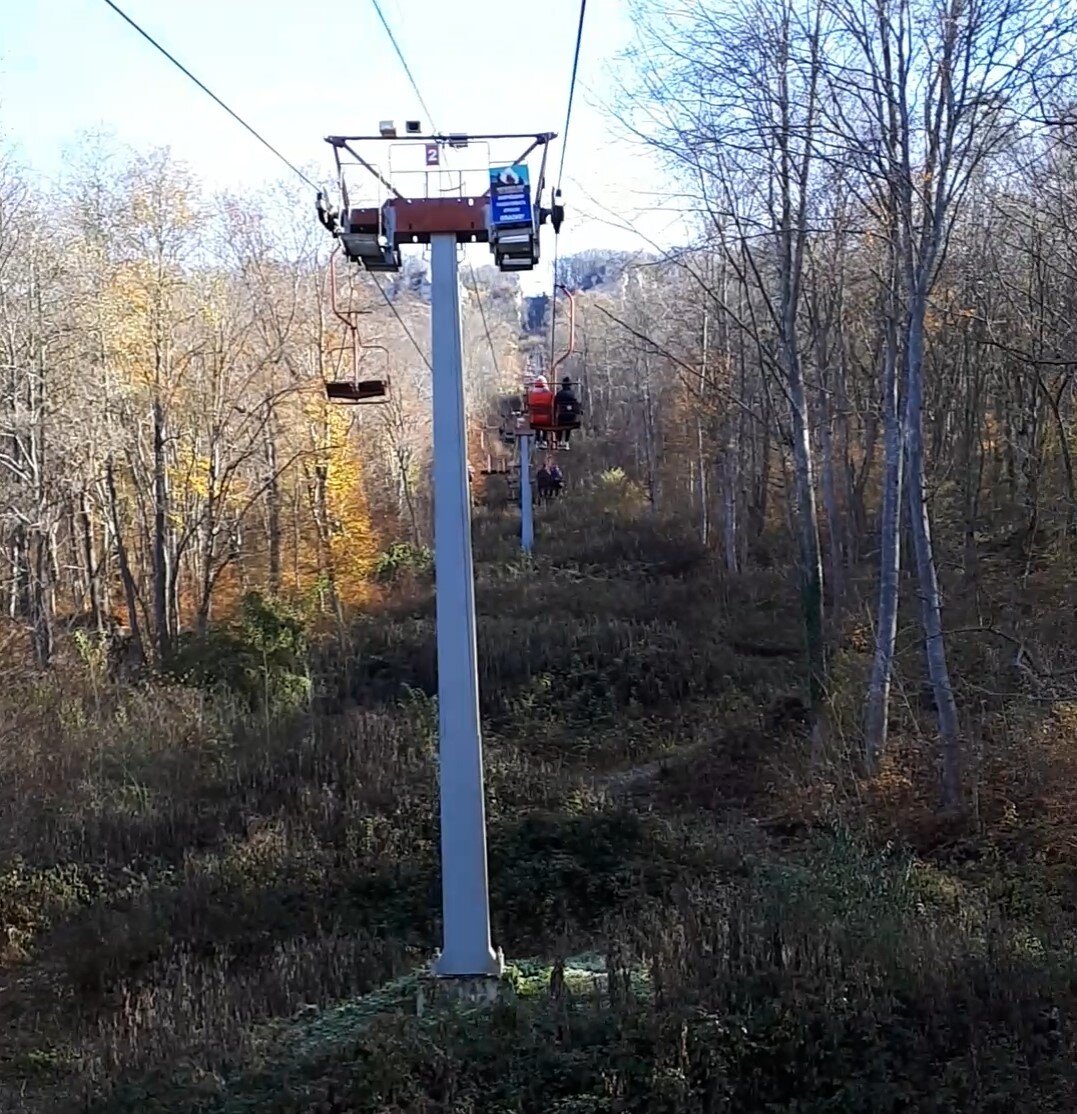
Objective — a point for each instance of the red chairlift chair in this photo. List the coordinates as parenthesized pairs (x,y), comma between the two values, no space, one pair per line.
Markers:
(552,428)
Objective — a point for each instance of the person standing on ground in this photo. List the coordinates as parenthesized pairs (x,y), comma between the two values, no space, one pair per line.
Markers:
(542,484)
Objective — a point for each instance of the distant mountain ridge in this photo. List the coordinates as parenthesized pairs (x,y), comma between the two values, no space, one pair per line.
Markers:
(583,272)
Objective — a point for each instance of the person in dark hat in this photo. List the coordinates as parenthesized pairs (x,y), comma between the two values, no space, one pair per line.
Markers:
(542,483)
(566,411)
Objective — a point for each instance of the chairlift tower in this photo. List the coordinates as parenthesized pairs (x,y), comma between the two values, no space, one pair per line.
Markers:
(457,199)
(527,505)
(528,430)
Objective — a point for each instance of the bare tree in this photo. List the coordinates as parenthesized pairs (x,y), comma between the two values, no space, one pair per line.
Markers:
(927,91)
(733,102)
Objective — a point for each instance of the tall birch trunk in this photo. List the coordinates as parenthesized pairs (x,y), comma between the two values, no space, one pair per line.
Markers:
(878,701)
(926,572)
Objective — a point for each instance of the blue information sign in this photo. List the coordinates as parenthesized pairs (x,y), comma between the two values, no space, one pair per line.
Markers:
(510,195)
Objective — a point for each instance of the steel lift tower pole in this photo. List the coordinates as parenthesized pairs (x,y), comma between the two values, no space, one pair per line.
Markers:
(467,948)
(507,216)
(527,507)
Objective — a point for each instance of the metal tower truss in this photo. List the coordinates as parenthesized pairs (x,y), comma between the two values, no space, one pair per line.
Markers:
(480,189)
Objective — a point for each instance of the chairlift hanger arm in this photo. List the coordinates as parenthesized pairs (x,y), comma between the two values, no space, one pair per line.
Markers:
(571,330)
(332,278)
(542,169)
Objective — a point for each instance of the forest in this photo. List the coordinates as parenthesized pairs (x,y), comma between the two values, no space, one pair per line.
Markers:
(779,719)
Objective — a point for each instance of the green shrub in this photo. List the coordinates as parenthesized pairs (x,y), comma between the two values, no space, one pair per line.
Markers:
(259,658)
(553,871)
(403,559)
(31,899)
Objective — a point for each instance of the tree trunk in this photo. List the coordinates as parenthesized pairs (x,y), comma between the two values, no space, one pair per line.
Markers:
(160,536)
(78,580)
(927,575)
(403,465)
(729,509)
(878,702)
(325,527)
(41,591)
(807,525)
(93,564)
(703,465)
(129,590)
(972,462)
(20,574)
(273,510)
(830,500)
(211,527)
(701,456)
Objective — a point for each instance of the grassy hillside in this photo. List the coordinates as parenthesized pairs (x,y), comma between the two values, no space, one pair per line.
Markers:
(216,897)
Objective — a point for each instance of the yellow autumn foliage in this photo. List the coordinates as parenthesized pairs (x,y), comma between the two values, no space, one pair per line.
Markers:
(321,436)
(314,436)
(158,320)
(352,545)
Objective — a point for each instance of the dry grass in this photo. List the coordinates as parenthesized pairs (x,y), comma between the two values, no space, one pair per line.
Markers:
(178,877)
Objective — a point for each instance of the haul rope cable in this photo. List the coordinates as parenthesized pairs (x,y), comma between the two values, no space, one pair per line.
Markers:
(433,126)
(404,63)
(482,313)
(209,92)
(261,139)
(403,324)
(561,172)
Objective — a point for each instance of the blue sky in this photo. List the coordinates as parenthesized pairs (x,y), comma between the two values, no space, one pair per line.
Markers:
(298,71)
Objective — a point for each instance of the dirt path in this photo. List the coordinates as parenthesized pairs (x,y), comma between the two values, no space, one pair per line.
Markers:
(617,782)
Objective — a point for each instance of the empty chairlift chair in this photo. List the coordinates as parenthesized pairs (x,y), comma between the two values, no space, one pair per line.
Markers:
(353,390)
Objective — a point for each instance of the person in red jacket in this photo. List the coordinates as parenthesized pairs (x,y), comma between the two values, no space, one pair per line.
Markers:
(540,408)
